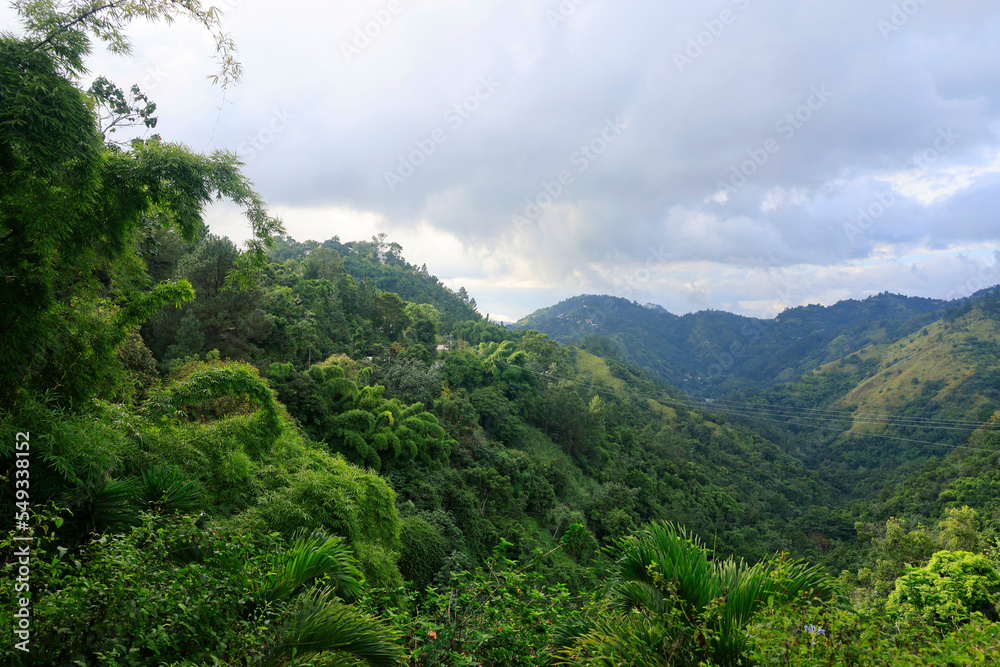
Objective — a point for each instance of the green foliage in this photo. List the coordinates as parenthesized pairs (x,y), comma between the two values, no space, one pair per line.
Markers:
(63,29)
(512,442)
(669,604)
(894,552)
(503,614)
(223,316)
(236,380)
(166,490)
(330,632)
(133,599)
(410,381)
(361,424)
(959,531)
(75,210)
(463,369)
(950,587)
(382,266)
(811,635)
(313,489)
(172,591)
(115,111)
(423,551)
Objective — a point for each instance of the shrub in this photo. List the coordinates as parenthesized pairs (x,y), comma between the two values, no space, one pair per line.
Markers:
(423,551)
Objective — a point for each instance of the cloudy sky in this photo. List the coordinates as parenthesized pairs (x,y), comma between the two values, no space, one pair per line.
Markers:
(744,155)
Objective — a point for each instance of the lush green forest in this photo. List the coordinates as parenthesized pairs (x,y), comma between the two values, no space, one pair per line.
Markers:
(714,353)
(315,453)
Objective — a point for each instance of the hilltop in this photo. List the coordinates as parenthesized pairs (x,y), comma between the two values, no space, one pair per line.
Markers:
(711,353)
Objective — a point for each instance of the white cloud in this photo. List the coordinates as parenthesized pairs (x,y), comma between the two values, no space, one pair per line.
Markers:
(654,191)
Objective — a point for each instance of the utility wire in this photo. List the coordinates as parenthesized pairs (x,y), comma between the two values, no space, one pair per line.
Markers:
(723,408)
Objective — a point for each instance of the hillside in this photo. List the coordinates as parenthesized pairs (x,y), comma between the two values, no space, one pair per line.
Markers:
(947,369)
(382,263)
(712,353)
(866,391)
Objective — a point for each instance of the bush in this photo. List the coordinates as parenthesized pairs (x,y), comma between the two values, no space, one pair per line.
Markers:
(423,551)
(950,587)
(166,590)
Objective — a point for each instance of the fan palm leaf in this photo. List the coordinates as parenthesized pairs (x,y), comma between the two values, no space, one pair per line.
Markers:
(309,558)
(667,582)
(324,624)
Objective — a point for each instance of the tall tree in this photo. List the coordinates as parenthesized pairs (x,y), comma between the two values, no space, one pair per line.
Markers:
(72,209)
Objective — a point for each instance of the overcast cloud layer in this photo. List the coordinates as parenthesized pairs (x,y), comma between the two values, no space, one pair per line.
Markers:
(742,155)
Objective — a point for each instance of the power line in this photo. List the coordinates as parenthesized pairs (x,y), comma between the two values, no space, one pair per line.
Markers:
(725,409)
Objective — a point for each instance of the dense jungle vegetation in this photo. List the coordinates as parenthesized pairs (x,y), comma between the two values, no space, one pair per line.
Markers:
(315,453)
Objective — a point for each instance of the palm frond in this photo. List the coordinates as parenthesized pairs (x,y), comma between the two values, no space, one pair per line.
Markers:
(310,558)
(323,623)
(631,638)
(666,580)
(169,490)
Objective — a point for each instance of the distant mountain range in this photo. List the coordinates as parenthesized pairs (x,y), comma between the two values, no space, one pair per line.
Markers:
(713,353)
(866,391)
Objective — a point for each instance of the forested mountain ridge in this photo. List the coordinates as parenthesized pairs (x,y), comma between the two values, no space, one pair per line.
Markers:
(865,391)
(711,353)
(381,262)
(946,369)
(877,414)
(215,455)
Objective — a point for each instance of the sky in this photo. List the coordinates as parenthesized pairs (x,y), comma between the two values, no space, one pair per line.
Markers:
(739,155)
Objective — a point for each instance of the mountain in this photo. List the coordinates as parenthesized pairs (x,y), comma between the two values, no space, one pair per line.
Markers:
(895,403)
(712,353)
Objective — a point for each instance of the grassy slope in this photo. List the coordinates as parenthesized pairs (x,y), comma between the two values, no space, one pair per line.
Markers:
(596,369)
(945,368)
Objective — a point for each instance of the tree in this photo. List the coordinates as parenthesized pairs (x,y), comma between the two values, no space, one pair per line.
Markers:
(323,263)
(72,210)
(114,111)
(391,315)
(960,529)
(323,621)
(423,551)
(951,586)
(671,605)
(463,368)
(421,334)
(896,551)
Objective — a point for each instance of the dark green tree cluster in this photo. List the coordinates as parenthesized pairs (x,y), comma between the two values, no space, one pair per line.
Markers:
(382,264)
